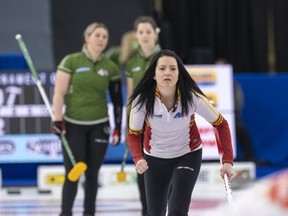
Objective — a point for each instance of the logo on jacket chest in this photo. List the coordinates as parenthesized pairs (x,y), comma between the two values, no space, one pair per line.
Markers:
(136,69)
(178,115)
(103,72)
(158,116)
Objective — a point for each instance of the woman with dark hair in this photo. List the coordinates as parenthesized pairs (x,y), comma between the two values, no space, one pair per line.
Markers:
(167,99)
(146,33)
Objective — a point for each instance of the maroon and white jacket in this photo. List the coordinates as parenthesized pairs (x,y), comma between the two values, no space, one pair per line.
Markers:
(171,134)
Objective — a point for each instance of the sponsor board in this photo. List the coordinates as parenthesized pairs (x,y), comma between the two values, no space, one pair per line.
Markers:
(209,182)
(30,148)
(51,178)
(55,179)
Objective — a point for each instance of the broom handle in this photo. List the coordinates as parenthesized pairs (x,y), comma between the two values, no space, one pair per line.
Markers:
(43,93)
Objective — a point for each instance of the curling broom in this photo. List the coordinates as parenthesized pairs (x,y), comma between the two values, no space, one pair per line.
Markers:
(121,176)
(78,168)
(226,180)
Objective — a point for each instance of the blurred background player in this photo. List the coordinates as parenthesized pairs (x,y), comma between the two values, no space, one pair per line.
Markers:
(146,32)
(82,80)
(128,46)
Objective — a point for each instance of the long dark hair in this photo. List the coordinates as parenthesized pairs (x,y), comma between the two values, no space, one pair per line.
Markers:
(147,86)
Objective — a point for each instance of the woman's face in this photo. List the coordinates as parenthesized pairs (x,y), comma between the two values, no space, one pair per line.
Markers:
(146,35)
(166,72)
(98,40)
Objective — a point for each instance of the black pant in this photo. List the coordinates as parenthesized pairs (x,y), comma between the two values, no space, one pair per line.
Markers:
(171,181)
(141,187)
(88,144)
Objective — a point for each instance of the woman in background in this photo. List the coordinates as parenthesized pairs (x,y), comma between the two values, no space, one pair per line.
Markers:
(82,80)
(127,48)
(146,33)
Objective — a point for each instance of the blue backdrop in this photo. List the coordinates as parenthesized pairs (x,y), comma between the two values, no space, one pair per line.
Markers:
(266,116)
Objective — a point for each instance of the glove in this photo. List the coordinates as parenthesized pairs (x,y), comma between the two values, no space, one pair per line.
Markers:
(58,127)
(115,137)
